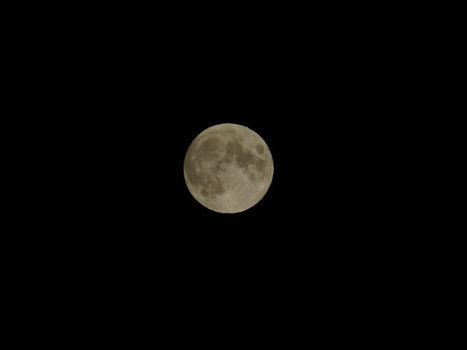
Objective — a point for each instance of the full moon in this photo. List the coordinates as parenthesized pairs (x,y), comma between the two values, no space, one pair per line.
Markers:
(228,168)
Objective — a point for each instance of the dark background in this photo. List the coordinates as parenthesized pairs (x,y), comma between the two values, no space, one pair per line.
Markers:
(321,98)
(122,96)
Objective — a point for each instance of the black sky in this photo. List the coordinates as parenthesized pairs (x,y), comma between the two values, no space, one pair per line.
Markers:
(317,119)
(320,97)
(128,98)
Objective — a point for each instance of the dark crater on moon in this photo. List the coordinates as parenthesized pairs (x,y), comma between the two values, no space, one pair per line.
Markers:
(243,158)
(260,165)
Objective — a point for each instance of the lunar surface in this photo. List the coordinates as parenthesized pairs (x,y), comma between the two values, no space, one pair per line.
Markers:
(228,168)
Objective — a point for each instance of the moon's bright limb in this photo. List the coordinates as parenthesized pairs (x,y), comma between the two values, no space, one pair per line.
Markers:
(228,168)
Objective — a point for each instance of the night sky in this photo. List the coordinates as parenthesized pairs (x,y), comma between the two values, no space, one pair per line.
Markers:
(126,106)
(325,199)
(323,117)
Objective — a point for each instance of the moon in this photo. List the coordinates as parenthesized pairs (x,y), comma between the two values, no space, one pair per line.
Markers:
(228,168)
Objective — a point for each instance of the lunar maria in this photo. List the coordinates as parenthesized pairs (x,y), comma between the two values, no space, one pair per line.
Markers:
(228,168)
